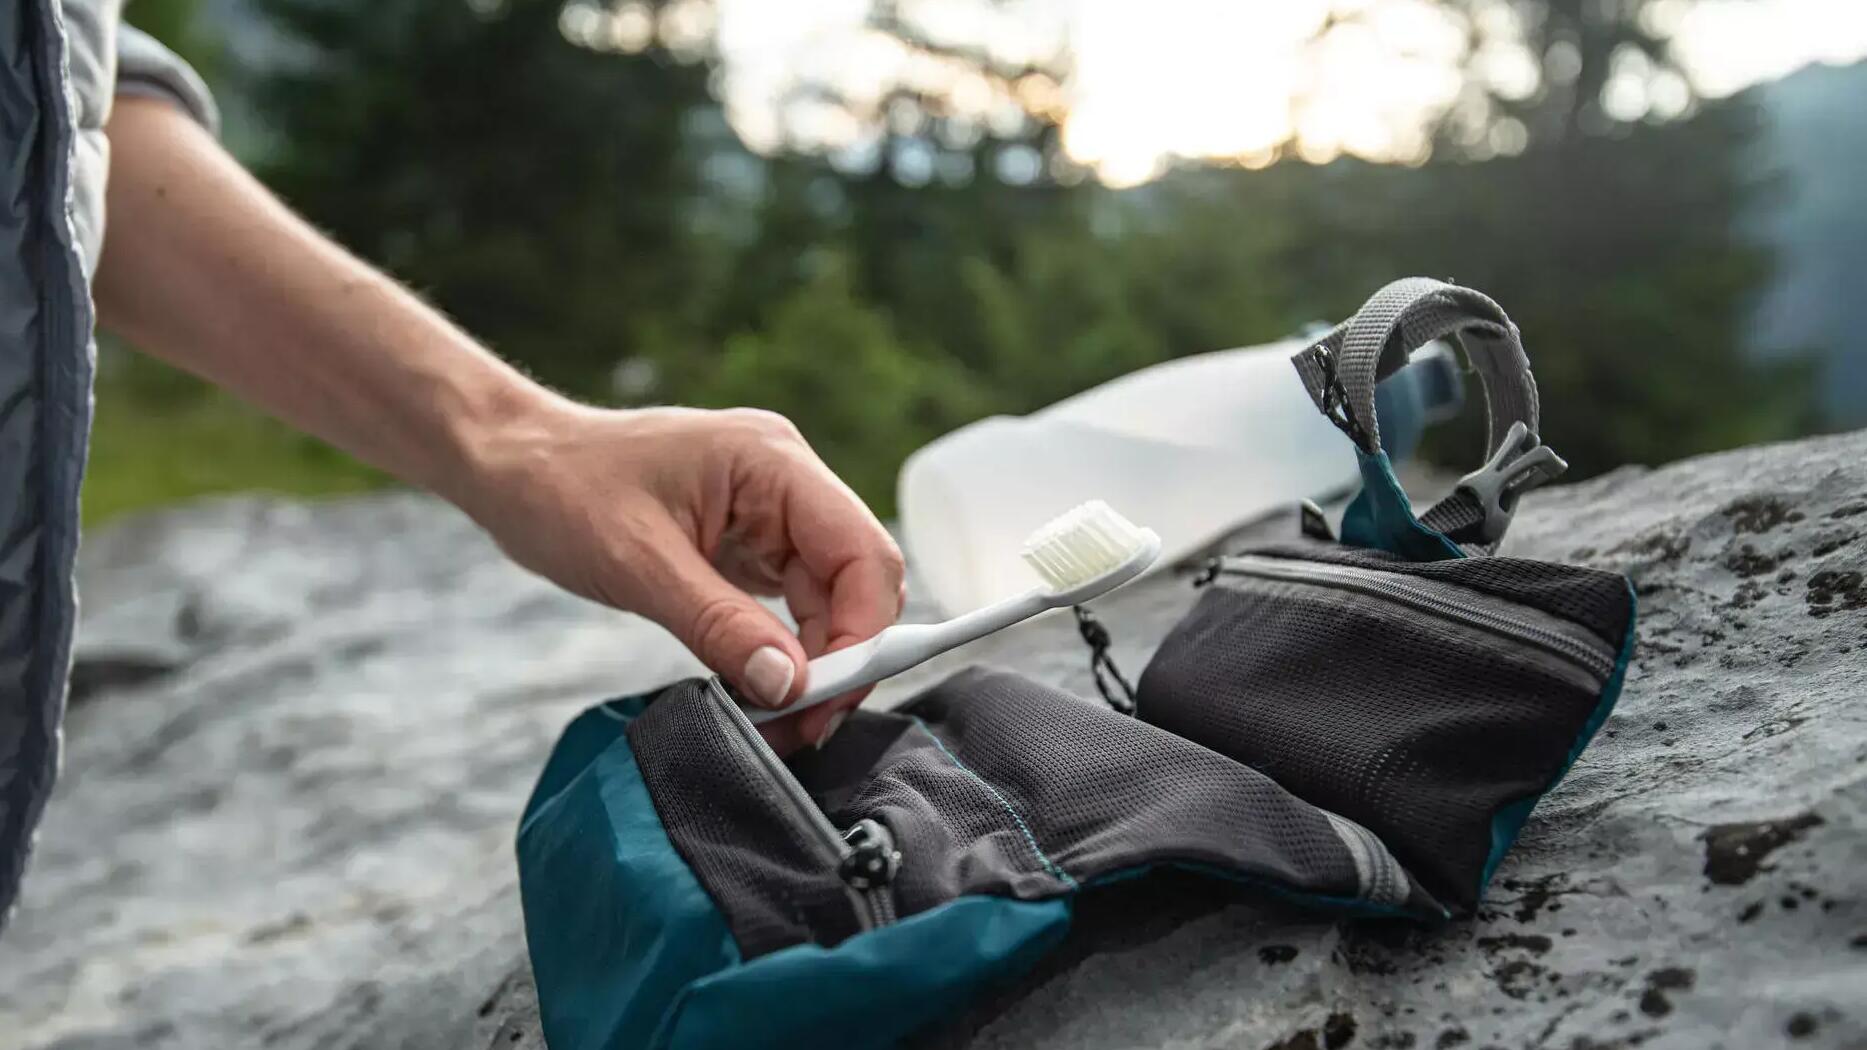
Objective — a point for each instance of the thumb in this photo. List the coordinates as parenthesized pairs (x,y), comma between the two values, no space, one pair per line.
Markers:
(735,636)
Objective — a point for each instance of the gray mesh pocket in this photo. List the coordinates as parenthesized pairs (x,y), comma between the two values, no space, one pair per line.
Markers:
(1097,793)
(1419,705)
(988,783)
(756,854)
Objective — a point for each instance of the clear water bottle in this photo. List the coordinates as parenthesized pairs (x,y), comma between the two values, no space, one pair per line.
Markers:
(1191,448)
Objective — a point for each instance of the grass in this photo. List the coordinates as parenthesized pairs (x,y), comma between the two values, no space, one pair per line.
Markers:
(152,449)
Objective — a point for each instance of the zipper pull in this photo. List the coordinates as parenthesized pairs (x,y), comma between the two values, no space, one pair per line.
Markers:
(1208,572)
(872,859)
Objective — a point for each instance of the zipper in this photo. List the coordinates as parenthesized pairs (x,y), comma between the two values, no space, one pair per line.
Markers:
(864,856)
(1588,654)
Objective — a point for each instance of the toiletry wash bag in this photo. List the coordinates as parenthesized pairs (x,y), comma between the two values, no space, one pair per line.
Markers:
(1358,725)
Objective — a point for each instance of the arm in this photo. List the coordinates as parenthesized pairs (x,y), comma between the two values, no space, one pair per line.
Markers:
(675,514)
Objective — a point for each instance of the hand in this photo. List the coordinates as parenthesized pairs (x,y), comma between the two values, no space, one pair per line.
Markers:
(682,515)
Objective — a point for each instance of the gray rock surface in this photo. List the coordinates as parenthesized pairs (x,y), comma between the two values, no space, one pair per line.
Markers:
(305,732)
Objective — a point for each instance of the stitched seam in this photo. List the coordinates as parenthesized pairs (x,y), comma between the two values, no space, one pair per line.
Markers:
(1023,828)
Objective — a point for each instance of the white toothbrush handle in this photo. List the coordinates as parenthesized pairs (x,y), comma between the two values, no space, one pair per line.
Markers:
(900,647)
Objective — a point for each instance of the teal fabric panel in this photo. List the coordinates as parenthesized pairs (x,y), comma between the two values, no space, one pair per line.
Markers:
(1507,822)
(588,736)
(1381,516)
(616,924)
(873,989)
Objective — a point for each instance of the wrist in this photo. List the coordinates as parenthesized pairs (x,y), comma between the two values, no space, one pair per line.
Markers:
(494,435)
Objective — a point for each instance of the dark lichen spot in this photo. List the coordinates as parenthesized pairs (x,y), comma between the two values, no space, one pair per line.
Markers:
(1750,912)
(1660,547)
(1859,943)
(1827,547)
(1734,853)
(1748,593)
(1759,514)
(1536,894)
(1338,1031)
(1831,591)
(1674,978)
(1272,954)
(1534,943)
(1850,510)
(1303,1040)
(1653,1001)
(1801,1026)
(1517,978)
(1452,1037)
(1747,561)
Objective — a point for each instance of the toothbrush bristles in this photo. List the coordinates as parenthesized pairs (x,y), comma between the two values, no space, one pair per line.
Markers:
(1081,544)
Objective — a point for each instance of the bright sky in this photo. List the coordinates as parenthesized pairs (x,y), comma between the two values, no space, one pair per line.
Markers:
(1228,78)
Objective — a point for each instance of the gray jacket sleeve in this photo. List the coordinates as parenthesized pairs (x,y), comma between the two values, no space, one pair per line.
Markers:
(145,67)
(104,58)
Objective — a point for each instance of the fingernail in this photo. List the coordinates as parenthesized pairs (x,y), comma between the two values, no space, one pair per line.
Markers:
(768,676)
(830,728)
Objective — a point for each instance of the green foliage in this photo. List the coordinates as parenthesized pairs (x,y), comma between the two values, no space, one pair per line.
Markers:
(179,25)
(836,366)
(160,438)
(538,191)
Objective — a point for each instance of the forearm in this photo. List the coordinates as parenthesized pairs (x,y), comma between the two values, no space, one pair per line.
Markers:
(203,268)
(672,513)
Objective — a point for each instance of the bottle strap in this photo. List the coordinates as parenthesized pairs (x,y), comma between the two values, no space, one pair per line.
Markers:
(1341,370)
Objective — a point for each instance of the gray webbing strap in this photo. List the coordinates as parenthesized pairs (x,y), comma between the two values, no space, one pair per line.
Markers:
(1341,370)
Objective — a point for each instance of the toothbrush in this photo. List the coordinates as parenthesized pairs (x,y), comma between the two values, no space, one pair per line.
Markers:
(1087,551)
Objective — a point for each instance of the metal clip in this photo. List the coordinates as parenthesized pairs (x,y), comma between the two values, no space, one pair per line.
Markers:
(1520,464)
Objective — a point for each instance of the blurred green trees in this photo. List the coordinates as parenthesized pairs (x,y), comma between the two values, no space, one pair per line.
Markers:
(590,214)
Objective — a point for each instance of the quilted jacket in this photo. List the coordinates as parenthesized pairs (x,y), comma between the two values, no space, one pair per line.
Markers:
(61,64)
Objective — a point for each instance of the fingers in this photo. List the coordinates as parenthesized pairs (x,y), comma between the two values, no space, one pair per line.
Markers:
(735,636)
(852,561)
(844,583)
(810,607)
(746,568)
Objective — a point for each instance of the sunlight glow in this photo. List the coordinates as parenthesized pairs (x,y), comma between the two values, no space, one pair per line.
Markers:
(1237,80)
(1728,45)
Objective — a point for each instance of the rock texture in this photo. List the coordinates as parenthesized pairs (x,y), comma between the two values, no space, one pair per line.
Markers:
(304,733)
